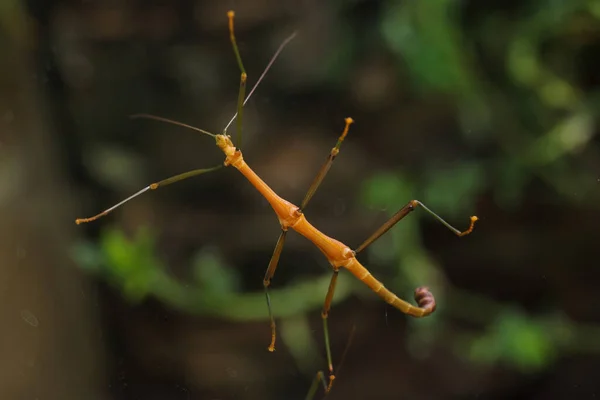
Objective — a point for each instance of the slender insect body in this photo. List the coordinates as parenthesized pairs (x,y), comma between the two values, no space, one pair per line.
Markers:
(286,212)
(426,303)
(337,253)
(291,216)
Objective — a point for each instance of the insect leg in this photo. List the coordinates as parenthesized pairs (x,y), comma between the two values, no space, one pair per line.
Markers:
(267,282)
(403,212)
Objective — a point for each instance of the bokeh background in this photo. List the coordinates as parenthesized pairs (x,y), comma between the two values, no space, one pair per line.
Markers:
(475,108)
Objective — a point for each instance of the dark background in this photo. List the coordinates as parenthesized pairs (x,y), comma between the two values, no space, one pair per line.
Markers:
(475,108)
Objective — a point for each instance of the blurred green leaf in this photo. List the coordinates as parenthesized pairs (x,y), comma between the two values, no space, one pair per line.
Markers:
(426,34)
(453,191)
(131,264)
(523,63)
(594,8)
(386,191)
(568,136)
(213,275)
(516,340)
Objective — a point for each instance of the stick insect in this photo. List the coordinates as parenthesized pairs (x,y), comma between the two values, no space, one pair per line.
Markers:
(292,217)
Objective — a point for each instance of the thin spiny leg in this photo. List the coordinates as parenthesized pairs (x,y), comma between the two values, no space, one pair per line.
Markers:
(325,168)
(320,376)
(267,282)
(324,316)
(152,186)
(279,247)
(403,212)
(243,77)
(264,73)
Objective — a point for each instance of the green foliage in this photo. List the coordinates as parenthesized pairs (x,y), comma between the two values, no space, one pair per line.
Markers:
(132,263)
(453,191)
(386,190)
(426,35)
(128,264)
(567,137)
(212,276)
(429,38)
(516,340)
(519,97)
(131,266)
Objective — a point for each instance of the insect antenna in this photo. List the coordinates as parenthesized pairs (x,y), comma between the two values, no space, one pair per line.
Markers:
(267,68)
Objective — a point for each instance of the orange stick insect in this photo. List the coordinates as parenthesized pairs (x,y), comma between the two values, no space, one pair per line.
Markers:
(291,216)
